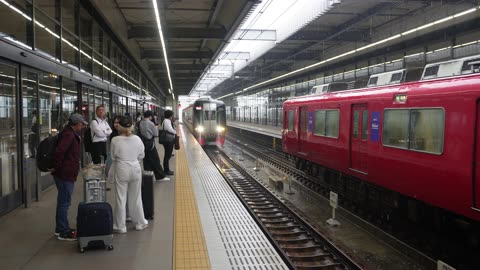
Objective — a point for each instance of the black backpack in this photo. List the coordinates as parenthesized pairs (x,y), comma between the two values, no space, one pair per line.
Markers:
(45,153)
(88,140)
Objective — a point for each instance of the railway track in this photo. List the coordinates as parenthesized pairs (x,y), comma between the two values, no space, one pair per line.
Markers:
(301,246)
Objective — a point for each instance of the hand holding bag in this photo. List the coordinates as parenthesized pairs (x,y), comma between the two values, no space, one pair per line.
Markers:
(165,137)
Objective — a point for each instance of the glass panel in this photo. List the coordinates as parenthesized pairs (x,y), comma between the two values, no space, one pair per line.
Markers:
(49,95)
(106,71)
(395,128)
(97,37)
(106,103)
(332,125)
(47,6)
(86,56)
(209,115)
(364,125)
(86,102)
(97,65)
(356,115)
(8,138)
(69,104)
(30,130)
(68,15)
(70,49)
(85,26)
(319,123)
(426,130)
(291,115)
(18,18)
(46,34)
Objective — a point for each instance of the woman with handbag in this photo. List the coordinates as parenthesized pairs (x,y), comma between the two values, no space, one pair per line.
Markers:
(167,139)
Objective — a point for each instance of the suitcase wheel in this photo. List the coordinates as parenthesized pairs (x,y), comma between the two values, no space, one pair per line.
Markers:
(110,247)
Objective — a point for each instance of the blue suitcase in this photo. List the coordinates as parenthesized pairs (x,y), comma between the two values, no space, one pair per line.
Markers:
(94,225)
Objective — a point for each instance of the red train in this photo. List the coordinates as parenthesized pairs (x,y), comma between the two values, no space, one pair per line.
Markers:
(417,140)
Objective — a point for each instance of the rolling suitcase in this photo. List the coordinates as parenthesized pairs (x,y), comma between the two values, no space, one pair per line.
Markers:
(94,216)
(147,194)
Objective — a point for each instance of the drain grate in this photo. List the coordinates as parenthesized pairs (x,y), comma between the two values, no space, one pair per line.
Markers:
(245,245)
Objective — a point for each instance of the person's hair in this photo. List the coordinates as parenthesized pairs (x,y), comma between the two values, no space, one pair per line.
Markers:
(147,114)
(99,106)
(168,114)
(115,118)
(125,131)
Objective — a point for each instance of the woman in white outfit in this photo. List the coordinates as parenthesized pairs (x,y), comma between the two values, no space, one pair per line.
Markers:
(126,151)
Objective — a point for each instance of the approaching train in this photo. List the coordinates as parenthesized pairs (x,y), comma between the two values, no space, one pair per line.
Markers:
(206,119)
(410,147)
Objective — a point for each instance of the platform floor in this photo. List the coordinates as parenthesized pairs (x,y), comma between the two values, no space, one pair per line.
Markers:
(199,224)
(272,131)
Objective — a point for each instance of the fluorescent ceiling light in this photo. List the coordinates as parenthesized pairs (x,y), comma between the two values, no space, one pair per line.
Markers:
(159,25)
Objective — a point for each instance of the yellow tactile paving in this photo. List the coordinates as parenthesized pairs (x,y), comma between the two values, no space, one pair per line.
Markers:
(190,249)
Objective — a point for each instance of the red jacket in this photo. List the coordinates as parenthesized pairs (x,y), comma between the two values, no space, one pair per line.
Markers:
(66,161)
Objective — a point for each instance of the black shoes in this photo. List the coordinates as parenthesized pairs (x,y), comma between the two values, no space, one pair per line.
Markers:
(169,173)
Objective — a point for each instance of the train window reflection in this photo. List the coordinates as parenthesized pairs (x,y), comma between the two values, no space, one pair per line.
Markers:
(327,123)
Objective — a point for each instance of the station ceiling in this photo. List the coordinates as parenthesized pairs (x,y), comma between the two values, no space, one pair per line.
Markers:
(197,30)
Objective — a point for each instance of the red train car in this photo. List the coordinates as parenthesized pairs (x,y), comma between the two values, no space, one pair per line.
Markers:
(418,139)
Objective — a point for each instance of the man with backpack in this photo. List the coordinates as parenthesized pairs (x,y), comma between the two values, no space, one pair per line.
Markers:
(100,130)
(66,165)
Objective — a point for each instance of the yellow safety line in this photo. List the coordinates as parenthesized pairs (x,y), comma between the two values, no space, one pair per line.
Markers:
(190,249)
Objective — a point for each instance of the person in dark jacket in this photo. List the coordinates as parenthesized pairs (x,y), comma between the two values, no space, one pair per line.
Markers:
(66,165)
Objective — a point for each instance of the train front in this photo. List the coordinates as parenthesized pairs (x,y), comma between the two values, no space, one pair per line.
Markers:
(210,122)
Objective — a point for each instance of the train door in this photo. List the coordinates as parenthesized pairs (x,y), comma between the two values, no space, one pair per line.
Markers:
(476,176)
(302,129)
(358,138)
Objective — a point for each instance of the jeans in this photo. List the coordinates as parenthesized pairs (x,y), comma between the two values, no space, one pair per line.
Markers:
(64,199)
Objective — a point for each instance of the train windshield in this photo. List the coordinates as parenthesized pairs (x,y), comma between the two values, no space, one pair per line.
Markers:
(209,115)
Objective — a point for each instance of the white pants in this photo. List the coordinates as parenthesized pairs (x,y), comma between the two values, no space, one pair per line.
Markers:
(128,183)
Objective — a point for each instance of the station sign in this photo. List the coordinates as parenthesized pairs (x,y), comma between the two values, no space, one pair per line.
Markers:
(333,199)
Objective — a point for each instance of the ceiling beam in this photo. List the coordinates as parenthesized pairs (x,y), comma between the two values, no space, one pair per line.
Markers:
(157,54)
(349,36)
(140,31)
(186,67)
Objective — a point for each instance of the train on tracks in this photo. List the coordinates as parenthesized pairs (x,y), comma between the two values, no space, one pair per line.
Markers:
(206,119)
(403,147)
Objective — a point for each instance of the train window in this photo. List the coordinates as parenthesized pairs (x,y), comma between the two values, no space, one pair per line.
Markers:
(291,115)
(395,128)
(470,66)
(365,125)
(209,115)
(431,71)
(414,129)
(373,81)
(426,130)
(356,115)
(327,123)
(332,123)
(319,123)
(396,78)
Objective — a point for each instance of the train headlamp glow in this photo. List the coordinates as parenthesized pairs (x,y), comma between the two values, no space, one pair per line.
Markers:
(220,129)
(200,129)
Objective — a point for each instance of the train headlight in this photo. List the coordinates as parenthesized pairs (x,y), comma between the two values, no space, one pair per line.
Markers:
(220,129)
(200,129)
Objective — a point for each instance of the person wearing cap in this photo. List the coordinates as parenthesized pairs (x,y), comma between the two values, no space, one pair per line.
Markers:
(100,132)
(126,151)
(66,165)
(148,132)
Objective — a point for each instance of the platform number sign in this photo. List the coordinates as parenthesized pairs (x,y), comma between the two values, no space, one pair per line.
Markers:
(333,199)
(443,266)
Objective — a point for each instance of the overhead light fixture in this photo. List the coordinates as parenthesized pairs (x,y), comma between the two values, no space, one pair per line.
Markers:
(159,25)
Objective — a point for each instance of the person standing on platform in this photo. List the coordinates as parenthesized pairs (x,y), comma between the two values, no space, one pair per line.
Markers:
(126,151)
(167,125)
(100,132)
(66,165)
(116,122)
(148,132)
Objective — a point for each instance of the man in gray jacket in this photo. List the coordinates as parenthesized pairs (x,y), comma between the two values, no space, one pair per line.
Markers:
(148,132)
